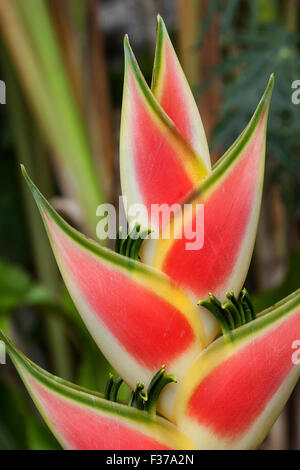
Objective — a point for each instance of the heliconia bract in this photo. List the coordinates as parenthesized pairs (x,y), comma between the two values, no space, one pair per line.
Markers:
(172,91)
(234,369)
(140,299)
(237,388)
(84,420)
(231,196)
(158,165)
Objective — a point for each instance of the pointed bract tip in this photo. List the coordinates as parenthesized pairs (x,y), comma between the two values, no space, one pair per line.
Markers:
(24,172)
(161,26)
(127,49)
(39,198)
(270,85)
(27,178)
(126,42)
(266,98)
(160,21)
(271,82)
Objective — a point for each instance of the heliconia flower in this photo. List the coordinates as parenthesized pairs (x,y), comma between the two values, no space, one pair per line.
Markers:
(145,316)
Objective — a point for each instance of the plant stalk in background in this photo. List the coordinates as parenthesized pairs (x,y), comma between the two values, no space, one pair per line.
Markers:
(38,58)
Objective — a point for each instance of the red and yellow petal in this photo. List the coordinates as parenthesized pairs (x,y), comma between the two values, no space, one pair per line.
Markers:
(84,420)
(238,386)
(137,316)
(158,166)
(231,198)
(172,91)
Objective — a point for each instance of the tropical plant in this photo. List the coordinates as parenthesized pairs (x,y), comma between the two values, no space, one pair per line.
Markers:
(233,367)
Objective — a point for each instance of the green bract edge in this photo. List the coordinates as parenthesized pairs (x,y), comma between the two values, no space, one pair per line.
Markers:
(68,390)
(161,32)
(237,147)
(89,244)
(264,319)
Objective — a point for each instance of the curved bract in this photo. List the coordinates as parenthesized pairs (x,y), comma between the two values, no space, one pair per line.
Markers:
(172,91)
(238,386)
(158,165)
(137,316)
(84,420)
(231,198)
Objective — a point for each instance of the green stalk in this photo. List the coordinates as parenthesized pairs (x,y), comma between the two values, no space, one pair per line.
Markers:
(29,34)
(27,145)
(69,46)
(189,16)
(79,13)
(291,15)
(99,107)
(45,44)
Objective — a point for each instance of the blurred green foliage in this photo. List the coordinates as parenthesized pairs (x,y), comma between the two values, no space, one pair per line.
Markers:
(13,238)
(20,427)
(256,41)
(290,283)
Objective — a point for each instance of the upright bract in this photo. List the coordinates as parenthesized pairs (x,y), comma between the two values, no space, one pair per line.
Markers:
(172,91)
(158,165)
(231,196)
(137,316)
(238,386)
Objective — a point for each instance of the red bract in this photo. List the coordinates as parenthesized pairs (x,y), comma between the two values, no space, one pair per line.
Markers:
(231,389)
